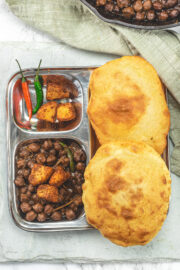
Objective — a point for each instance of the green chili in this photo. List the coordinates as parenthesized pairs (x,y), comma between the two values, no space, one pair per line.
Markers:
(70,156)
(39,91)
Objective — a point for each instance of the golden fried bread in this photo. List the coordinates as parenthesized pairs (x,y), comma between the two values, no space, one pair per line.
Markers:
(127,102)
(126,192)
(66,112)
(40,174)
(48,193)
(59,177)
(47,112)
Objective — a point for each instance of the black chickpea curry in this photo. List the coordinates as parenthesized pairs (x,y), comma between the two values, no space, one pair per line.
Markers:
(140,10)
(49,178)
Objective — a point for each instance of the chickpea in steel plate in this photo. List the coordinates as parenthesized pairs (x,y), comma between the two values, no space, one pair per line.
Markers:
(48,187)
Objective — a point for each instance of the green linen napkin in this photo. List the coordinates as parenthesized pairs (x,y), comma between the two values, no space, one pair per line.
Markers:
(71,22)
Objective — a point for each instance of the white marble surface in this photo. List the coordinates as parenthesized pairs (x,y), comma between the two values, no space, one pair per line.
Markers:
(12,29)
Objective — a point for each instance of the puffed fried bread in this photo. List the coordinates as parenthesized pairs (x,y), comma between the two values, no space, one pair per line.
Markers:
(126,192)
(127,102)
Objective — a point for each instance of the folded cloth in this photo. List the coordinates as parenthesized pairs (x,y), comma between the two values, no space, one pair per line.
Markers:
(71,22)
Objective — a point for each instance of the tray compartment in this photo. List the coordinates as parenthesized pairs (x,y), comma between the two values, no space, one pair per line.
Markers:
(47,225)
(20,114)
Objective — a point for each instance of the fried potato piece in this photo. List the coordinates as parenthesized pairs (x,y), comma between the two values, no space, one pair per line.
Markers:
(59,177)
(59,87)
(40,174)
(66,112)
(48,193)
(47,112)
(56,91)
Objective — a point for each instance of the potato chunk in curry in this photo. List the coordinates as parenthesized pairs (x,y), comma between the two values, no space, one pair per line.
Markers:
(47,112)
(56,91)
(59,177)
(40,174)
(59,87)
(66,112)
(48,193)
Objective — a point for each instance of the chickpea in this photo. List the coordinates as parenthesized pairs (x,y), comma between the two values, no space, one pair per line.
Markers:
(100,2)
(31,216)
(19,181)
(70,215)
(41,217)
(34,147)
(128,12)
(138,5)
(150,15)
(147,5)
(170,3)
(173,13)
(157,5)
(25,207)
(38,207)
(140,16)
(123,3)
(41,158)
(163,16)
(109,7)
(56,216)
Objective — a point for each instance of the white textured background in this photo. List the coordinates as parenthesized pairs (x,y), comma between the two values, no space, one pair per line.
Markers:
(12,29)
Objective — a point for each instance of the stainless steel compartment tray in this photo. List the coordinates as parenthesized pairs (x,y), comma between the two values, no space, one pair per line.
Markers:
(18,135)
(82,133)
